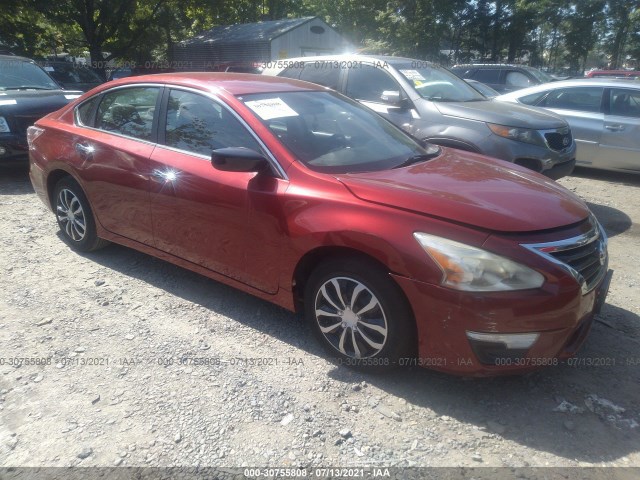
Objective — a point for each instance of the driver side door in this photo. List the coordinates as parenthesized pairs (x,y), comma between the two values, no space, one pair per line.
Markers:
(222,221)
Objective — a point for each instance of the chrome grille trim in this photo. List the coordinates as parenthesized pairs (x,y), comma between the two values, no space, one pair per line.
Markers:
(596,234)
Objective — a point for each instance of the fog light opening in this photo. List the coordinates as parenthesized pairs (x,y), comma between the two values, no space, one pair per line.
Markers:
(501,348)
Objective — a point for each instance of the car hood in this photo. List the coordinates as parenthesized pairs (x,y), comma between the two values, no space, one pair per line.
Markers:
(26,102)
(502,114)
(474,190)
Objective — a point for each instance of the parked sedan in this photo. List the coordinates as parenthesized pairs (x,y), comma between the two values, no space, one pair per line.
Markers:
(604,115)
(300,196)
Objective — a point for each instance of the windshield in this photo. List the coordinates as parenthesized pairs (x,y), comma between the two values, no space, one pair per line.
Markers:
(332,134)
(72,74)
(20,75)
(437,84)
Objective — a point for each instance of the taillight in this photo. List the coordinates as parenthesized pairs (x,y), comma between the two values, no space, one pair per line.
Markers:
(33,132)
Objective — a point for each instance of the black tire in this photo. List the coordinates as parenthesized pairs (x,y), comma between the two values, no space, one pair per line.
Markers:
(358,328)
(75,217)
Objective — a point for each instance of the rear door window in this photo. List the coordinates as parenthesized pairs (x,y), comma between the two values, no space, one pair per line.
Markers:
(625,102)
(128,111)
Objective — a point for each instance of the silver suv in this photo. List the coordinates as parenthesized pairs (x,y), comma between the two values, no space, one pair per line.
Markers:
(434,105)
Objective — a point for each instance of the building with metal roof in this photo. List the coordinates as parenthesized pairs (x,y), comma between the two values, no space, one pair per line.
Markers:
(258,43)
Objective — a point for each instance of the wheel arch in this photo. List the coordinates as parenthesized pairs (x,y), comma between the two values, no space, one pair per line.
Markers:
(52,179)
(315,257)
(454,143)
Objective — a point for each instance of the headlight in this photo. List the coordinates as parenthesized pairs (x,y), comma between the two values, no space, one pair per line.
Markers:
(475,270)
(4,126)
(525,135)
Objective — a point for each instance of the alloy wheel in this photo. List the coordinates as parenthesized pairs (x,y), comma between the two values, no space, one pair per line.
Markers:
(351,317)
(71,215)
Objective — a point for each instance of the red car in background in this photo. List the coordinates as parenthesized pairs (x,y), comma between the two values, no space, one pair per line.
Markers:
(630,74)
(398,253)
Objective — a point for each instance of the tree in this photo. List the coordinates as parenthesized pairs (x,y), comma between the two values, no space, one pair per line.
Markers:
(622,16)
(115,25)
(582,31)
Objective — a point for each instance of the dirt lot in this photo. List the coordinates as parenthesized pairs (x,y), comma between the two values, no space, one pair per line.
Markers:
(117,332)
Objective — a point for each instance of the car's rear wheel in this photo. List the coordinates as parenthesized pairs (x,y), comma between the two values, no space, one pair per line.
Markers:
(359,314)
(75,217)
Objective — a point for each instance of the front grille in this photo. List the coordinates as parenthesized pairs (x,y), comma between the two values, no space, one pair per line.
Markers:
(585,257)
(558,140)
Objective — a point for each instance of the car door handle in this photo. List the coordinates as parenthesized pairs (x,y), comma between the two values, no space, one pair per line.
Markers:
(85,151)
(614,128)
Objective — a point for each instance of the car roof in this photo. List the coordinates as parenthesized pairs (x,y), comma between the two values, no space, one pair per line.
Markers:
(577,82)
(490,65)
(353,57)
(233,83)
(613,72)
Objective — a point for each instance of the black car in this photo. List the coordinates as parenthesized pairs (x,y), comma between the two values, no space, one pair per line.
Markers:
(502,77)
(72,76)
(27,93)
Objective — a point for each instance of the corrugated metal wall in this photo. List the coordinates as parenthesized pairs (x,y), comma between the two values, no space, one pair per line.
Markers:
(302,40)
(295,43)
(202,58)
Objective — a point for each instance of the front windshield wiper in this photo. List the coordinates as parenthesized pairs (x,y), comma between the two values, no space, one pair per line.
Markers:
(438,98)
(422,157)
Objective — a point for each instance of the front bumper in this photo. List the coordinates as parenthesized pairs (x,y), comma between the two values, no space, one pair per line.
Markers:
(551,163)
(444,316)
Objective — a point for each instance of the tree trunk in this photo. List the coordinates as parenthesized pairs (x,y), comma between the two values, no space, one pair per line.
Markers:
(97,60)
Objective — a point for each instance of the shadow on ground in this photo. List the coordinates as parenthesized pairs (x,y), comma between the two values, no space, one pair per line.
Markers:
(523,405)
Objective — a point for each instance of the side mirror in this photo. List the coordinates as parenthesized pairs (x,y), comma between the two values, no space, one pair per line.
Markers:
(238,159)
(394,98)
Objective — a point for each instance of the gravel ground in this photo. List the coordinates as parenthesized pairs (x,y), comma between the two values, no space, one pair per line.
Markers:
(147,364)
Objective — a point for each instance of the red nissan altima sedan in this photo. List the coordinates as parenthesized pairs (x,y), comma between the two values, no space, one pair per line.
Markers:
(398,253)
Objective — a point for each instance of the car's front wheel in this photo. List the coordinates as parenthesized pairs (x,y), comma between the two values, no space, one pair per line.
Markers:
(359,314)
(74,216)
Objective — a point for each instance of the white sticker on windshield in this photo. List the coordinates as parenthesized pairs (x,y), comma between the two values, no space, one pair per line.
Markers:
(271,108)
(412,74)
(72,96)
(49,69)
(8,102)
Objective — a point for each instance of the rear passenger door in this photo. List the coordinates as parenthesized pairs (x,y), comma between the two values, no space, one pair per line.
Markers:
(113,157)
(620,145)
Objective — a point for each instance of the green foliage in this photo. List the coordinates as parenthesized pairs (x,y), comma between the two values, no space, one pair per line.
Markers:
(550,33)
